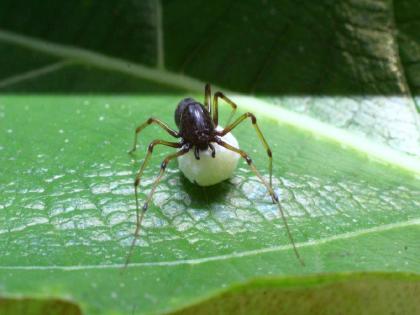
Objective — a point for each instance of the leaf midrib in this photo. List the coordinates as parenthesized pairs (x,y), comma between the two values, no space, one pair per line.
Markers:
(256,252)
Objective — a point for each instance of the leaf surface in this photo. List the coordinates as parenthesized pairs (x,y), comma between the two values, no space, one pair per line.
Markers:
(68,209)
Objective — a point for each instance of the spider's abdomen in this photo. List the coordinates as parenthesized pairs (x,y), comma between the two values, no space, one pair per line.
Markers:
(180,109)
(194,123)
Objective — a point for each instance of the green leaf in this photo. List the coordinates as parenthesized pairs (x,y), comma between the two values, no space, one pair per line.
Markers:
(340,126)
(68,209)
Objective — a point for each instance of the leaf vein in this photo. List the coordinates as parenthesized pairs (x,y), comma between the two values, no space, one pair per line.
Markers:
(196,261)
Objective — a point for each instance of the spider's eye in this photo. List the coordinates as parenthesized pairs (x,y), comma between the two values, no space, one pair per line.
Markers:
(202,134)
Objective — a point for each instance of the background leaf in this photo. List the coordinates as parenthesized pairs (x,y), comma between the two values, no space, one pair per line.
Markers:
(66,207)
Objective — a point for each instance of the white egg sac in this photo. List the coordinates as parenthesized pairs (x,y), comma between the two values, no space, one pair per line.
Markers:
(207,170)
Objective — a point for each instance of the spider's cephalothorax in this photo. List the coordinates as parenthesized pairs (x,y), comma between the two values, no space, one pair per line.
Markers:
(195,125)
(197,129)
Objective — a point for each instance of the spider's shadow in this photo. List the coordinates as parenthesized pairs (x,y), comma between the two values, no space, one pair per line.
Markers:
(205,197)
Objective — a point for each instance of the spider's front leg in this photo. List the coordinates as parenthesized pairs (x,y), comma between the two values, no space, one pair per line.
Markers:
(215,110)
(207,97)
(140,215)
(148,154)
(148,122)
(260,136)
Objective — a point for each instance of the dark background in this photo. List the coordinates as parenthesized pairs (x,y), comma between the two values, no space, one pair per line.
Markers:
(287,47)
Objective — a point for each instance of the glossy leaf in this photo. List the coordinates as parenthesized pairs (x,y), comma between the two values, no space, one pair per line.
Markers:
(68,209)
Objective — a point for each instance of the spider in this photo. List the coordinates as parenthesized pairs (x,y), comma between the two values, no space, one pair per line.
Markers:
(197,124)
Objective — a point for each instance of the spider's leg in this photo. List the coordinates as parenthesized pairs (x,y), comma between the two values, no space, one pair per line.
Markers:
(146,159)
(143,166)
(207,97)
(260,135)
(215,112)
(149,122)
(269,188)
(140,215)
